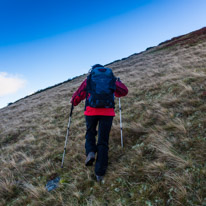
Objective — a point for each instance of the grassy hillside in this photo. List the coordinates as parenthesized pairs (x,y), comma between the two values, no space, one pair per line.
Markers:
(163,161)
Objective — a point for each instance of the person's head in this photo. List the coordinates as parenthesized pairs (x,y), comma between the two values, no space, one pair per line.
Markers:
(95,66)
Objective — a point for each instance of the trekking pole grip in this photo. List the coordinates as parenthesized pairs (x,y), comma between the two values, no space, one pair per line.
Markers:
(71,110)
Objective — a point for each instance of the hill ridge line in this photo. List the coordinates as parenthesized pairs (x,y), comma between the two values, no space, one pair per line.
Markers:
(167,43)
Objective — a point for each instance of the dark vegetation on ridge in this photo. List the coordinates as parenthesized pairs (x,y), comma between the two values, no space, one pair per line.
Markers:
(163,161)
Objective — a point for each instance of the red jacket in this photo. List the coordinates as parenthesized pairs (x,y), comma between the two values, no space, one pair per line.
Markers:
(80,94)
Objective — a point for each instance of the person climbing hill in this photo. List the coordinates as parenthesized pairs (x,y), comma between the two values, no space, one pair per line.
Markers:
(99,89)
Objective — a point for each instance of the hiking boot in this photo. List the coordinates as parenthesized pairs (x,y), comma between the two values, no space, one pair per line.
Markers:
(99,178)
(90,159)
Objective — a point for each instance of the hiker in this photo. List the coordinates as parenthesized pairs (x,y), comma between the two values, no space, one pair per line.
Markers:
(99,89)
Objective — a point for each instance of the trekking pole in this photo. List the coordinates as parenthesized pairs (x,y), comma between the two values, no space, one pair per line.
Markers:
(66,138)
(120,111)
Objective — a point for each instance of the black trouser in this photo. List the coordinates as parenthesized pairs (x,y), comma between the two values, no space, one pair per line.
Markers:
(105,123)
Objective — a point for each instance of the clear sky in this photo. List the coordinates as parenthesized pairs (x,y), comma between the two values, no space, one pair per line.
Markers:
(45,42)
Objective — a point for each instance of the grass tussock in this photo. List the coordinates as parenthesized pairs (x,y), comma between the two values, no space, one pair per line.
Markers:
(164,121)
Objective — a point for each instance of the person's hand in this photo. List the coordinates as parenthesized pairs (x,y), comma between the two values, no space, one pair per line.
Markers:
(71,100)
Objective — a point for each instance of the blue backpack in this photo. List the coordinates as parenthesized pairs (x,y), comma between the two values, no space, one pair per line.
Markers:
(101,87)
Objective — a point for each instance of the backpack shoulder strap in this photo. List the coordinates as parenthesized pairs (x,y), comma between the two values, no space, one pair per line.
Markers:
(88,83)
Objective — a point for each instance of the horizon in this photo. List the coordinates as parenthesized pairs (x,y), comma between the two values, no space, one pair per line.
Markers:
(65,39)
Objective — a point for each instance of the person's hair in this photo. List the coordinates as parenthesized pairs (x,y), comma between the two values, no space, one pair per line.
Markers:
(95,66)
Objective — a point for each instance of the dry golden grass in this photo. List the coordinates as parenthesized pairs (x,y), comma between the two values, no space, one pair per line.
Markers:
(164,121)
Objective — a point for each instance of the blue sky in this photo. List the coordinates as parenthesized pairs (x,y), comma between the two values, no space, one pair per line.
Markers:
(45,42)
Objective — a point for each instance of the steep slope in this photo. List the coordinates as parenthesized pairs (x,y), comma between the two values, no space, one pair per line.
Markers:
(164,128)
